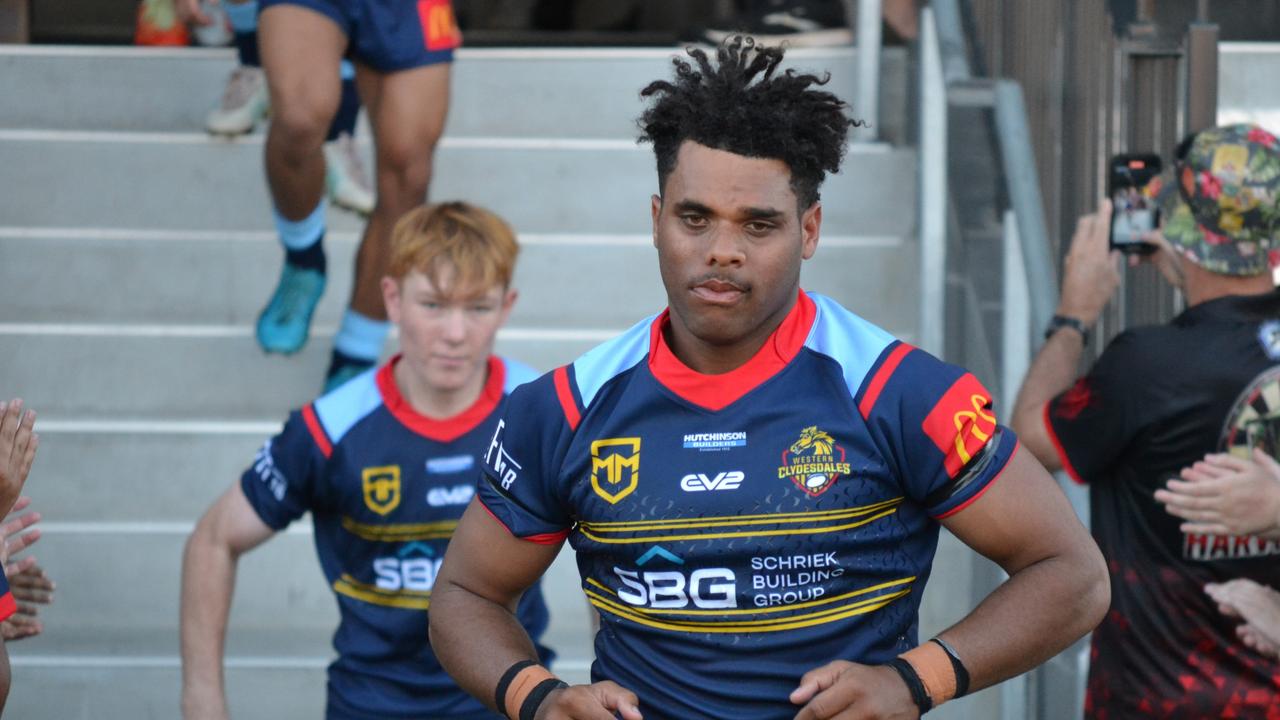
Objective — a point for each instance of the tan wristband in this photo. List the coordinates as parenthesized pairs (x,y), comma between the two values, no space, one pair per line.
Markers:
(933,665)
(521,685)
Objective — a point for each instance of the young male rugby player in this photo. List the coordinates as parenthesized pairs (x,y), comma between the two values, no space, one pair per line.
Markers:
(385,463)
(755,478)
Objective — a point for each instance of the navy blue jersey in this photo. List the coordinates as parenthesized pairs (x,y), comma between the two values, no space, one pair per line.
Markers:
(735,531)
(385,487)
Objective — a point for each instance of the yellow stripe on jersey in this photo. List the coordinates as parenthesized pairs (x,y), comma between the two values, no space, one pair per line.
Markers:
(764,519)
(583,528)
(407,599)
(759,611)
(404,532)
(638,615)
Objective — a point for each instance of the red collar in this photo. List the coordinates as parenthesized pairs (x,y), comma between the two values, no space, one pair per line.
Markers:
(716,392)
(448,429)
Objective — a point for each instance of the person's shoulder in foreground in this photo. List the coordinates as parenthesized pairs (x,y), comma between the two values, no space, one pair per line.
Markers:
(753,480)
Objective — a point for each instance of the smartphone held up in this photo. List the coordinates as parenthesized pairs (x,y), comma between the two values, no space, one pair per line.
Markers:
(1134,207)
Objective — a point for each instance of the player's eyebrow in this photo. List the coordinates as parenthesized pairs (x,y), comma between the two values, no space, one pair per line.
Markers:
(751,213)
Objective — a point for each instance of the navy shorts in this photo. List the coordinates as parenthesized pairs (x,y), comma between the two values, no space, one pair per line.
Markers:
(390,35)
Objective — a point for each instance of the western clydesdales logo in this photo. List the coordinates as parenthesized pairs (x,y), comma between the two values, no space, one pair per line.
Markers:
(381,488)
(615,467)
(814,462)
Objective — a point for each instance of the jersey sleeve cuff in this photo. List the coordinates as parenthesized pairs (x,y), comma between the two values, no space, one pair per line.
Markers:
(1059,448)
(1004,453)
(544,535)
(249,485)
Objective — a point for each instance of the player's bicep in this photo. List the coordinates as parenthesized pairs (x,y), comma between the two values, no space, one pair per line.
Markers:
(485,559)
(1021,518)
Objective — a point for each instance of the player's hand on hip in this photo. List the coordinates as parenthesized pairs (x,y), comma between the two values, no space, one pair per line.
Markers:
(604,700)
(849,691)
(18,445)
(1092,272)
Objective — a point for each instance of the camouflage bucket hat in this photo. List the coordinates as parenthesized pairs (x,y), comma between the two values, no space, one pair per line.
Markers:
(1222,207)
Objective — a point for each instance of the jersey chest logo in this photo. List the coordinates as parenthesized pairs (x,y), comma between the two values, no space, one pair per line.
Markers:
(615,467)
(381,486)
(814,462)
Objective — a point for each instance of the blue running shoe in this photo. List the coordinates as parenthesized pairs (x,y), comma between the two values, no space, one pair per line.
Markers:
(343,367)
(284,324)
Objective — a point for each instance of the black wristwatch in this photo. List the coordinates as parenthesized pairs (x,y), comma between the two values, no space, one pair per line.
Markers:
(1065,321)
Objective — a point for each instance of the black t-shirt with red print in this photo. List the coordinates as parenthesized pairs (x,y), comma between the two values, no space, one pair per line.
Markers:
(1158,399)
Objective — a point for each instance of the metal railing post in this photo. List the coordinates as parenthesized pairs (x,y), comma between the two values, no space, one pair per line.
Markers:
(933,188)
(868,96)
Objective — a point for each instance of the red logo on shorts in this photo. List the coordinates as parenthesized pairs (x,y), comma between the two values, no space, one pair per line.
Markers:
(439,29)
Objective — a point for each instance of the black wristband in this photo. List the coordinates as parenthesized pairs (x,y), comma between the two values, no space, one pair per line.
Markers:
(539,693)
(915,686)
(1057,322)
(504,684)
(962,672)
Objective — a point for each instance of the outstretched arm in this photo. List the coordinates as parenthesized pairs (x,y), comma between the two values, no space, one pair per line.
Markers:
(228,529)
(474,630)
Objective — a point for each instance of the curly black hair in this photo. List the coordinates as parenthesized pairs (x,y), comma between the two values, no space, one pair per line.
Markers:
(743,107)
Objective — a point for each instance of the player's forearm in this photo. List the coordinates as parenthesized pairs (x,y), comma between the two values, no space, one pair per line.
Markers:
(208,582)
(476,639)
(1038,612)
(1053,371)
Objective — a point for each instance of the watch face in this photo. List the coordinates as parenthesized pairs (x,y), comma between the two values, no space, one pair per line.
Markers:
(1254,420)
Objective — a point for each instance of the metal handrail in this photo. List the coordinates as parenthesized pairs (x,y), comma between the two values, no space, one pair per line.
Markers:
(868,93)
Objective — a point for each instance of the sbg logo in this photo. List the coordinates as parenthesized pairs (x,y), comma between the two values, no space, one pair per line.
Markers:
(697,482)
(414,568)
(708,588)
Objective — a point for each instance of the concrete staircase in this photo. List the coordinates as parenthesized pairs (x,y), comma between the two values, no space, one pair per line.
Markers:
(135,254)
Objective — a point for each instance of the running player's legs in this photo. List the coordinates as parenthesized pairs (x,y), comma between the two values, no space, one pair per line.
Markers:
(301,49)
(407,110)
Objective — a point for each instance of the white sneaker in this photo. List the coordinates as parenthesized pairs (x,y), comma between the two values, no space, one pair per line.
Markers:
(344,176)
(244,103)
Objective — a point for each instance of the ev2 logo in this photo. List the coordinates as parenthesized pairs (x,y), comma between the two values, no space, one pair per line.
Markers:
(697,482)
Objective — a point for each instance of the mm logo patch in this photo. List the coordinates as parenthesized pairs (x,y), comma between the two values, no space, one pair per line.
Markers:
(381,487)
(814,462)
(961,423)
(615,467)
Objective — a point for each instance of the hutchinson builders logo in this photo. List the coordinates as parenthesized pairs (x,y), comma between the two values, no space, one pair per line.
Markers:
(814,462)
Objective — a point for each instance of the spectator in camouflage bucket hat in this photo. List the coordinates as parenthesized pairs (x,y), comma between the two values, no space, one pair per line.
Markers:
(1223,210)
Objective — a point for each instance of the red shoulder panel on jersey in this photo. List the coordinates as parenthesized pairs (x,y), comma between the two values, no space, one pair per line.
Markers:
(565,394)
(881,377)
(961,422)
(1058,447)
(317,430)
(542,539)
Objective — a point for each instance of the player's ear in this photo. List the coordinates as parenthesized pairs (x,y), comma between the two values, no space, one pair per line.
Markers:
(810,226)
(391,298)
(508,302)
(655,209)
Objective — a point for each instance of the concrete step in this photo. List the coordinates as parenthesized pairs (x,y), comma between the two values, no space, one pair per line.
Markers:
(124,580)
(1247,90)
(236,273)
(56,179)
(98,674)
(208,372)
(542,92)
